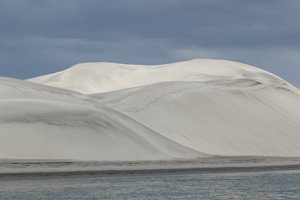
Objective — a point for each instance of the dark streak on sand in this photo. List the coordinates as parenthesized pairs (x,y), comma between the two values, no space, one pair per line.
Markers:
(151,171)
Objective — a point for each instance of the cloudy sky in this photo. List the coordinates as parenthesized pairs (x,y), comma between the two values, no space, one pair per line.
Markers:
(43,36)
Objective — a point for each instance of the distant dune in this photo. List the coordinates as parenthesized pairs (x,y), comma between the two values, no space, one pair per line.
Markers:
(90,78)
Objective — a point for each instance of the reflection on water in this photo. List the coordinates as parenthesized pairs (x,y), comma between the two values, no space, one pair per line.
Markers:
(254,185)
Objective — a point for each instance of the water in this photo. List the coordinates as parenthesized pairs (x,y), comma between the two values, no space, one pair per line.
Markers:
(252,185)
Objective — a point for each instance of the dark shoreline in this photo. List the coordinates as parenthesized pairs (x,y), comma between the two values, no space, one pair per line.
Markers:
(200,170)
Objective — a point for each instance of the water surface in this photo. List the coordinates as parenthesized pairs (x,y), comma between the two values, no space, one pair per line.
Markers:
(250,185)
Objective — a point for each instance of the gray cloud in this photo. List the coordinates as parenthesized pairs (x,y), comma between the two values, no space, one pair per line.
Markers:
(43,36)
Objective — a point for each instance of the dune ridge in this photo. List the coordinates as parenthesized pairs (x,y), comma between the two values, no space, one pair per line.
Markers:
(90,78)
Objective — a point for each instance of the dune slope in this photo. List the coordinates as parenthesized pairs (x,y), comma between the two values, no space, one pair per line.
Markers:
(40,122)
(237,118)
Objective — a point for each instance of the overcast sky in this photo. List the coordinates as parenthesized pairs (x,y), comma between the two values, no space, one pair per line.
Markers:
(44,36)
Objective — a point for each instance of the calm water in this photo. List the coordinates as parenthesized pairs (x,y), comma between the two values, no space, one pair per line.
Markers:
(254,185)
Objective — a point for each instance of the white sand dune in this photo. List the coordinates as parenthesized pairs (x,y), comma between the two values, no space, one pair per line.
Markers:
(107,111)
(40,122)
(213,106)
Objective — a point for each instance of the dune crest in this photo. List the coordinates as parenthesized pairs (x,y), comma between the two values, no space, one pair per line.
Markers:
(90,78)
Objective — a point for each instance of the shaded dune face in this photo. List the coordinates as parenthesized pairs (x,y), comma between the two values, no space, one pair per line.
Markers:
(185,110)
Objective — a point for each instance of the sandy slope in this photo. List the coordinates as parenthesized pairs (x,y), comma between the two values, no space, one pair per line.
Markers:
(42,122)
(236,118)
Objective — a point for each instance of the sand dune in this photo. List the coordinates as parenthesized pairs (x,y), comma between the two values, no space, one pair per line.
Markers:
(185,110)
